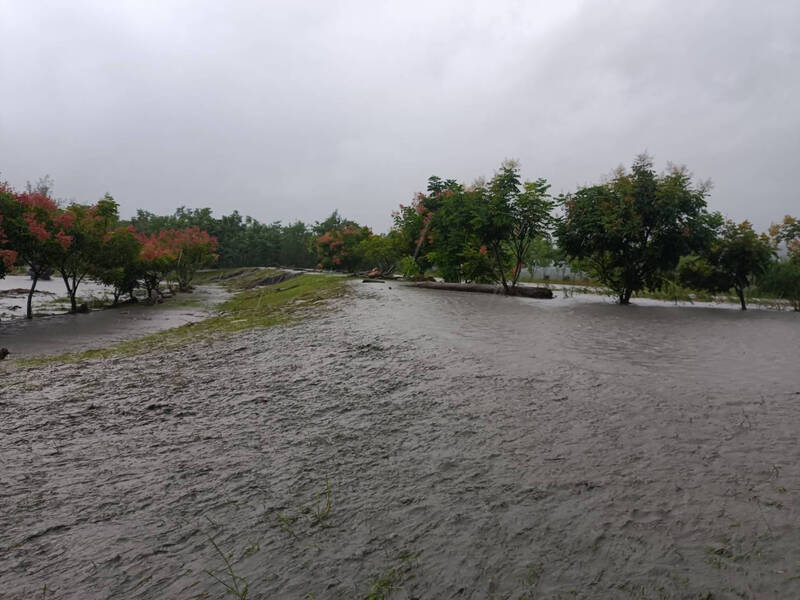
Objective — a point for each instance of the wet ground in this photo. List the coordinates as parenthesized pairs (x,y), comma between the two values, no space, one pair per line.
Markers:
(473,446)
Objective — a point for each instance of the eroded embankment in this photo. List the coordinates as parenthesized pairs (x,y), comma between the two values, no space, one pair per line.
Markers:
(474,447)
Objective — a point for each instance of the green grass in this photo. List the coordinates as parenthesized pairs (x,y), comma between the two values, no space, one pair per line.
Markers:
(256,308)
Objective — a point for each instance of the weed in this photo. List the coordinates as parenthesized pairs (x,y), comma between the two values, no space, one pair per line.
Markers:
(392,578)
(321,512)
(286,522)
(530,579)
(238,585)
(382,586)
(317,512)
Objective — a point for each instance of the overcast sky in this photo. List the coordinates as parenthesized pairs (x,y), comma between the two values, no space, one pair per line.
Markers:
(287,110)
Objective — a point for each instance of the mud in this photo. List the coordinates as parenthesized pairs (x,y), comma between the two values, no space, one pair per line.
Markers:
(475,446)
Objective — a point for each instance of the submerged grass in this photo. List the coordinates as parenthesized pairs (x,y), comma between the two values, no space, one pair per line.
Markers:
(253,308)
(237,278)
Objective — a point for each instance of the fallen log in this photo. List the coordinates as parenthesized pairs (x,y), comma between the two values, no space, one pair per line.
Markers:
(373,281)
(484,288)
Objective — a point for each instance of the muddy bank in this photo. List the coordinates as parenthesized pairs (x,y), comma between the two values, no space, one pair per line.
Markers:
(475,447)
(60,334)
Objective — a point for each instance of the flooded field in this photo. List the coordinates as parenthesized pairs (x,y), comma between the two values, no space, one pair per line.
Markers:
(57,334)
(49,298)
(416,444)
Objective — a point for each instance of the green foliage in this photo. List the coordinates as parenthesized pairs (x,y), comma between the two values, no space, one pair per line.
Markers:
(8,256)
(409,267)
(632,230)
(479,233)
(783,279)
(87,226)
(243,241)
(117,264)
(787,232)
(340,248)
(730,262)
(533,220)
(542,253)
(382,252)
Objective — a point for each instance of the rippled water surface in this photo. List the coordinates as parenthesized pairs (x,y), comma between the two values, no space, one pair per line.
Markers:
(474,446)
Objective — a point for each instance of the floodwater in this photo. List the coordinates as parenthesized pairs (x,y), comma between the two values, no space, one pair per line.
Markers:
(474,446)
(49,298)
(63,333)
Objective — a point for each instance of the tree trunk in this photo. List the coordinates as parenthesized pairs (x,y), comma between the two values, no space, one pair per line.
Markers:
(625,296)
(71,290)
(517,273)
(29,313)
(740,293)
(496,253)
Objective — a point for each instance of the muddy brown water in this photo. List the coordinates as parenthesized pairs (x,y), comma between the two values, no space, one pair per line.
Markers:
(474,447)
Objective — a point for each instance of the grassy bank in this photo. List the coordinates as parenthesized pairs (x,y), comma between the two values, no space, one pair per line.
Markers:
(257,307)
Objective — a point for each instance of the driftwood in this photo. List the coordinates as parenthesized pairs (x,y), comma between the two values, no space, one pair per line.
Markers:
(525,291)
(373,281)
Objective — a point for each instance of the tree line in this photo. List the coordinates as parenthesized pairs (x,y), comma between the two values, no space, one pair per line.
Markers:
(638,230)
(80,242)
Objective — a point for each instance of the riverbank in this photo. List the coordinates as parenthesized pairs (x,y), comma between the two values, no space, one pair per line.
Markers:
(414,443)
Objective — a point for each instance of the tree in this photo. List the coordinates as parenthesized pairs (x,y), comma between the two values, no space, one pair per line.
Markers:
(509,216)
(782,278)
(339,247)
(118,265)
(8,256)
(542,253)
(787,232)
(156,259)
(633,229)
(295,246)
(743,255)
(36,230)
(87,226)
(192,249)
(449,238)
(533,220)
(731,262)
(381,252)
(494,217)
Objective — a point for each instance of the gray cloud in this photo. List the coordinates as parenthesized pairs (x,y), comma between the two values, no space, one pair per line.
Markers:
(287,110)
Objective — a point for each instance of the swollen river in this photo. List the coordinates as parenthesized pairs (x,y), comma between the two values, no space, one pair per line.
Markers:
(421,444)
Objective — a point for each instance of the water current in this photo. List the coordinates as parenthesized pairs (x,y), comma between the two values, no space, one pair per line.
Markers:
(416,444)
